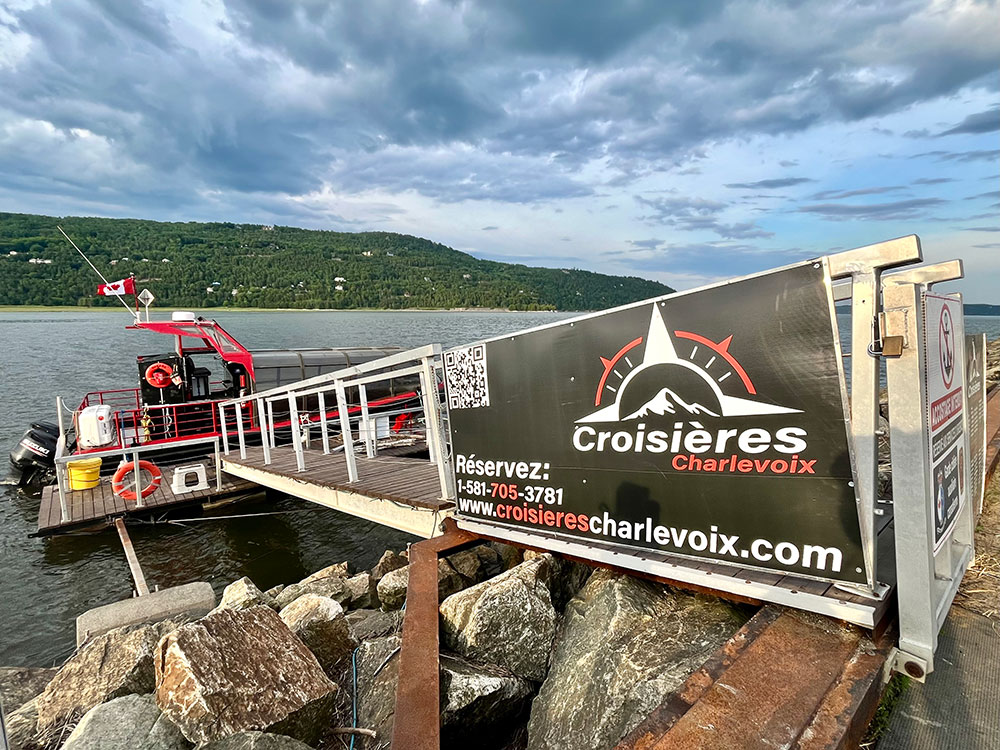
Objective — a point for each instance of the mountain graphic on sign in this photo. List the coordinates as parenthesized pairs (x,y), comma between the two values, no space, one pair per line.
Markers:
(667,402)
(654,386)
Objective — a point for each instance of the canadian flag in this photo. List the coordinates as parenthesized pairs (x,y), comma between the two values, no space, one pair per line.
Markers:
(117,288)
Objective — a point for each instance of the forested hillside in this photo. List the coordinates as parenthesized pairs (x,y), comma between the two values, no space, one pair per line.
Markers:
(244,265)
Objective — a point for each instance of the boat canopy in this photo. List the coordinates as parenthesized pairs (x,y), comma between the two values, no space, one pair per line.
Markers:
(214,337)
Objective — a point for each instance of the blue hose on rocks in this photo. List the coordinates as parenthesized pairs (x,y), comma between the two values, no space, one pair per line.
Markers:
(354,710)
(354,677)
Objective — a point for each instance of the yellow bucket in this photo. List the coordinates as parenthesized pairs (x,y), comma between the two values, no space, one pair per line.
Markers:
(84,474)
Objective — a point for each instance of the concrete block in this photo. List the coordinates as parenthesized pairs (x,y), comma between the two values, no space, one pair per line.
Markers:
(192,599)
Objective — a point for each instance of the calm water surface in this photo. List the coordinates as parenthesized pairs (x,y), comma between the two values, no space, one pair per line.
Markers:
(46,583)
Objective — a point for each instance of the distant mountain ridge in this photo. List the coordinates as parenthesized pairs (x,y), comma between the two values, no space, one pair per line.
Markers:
(206,265)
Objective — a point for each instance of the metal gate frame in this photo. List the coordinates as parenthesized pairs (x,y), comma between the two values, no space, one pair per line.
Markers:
(926,582)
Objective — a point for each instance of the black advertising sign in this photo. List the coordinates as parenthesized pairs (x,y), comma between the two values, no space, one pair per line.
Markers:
(709,424)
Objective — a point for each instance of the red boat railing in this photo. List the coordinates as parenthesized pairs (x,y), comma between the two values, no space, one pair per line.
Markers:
(165,423)
(123,398)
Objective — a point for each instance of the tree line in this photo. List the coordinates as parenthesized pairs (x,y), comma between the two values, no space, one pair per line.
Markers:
(205,265)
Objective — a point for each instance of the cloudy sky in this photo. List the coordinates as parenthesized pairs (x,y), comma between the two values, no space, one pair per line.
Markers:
(681,141)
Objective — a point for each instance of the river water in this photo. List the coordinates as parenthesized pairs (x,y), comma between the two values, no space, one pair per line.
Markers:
(46,583)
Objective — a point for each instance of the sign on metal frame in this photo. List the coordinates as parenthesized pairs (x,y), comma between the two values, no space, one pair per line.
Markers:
(716,425)
(709,424)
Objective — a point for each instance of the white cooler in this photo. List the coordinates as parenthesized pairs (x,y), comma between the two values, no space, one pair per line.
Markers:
(95,427)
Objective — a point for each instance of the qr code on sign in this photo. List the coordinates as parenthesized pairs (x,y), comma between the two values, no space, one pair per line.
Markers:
(468,382)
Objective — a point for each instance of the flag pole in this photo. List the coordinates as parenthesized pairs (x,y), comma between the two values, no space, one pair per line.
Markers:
(106,282)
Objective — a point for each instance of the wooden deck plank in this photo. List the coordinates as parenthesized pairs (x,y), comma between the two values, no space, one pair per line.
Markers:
(89,507)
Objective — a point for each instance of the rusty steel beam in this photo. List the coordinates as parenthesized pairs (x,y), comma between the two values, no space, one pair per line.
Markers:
(653,727)
(842,719)
(417,722)
(786,679)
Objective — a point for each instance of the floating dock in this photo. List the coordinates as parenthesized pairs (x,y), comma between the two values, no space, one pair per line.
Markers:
(101,505)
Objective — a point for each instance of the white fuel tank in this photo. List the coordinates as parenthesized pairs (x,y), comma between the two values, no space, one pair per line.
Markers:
(95,427)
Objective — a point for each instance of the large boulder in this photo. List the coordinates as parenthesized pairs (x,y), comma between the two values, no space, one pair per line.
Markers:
(373,623)
(476,701)
(392,587)
(389,562)
(479,700)
(508,620)
(132,722)
(235,670)
(339,570)
(22,728)
(362,592)
(319,623)
(510,556)
(333,586)
(569,577)
(256,741)
(377,675)
(243,594)
(624,646)
(18,685)
(118,663)
(490,561)
(467,564)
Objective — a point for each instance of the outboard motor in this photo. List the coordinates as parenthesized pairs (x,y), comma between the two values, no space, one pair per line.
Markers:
(33,459)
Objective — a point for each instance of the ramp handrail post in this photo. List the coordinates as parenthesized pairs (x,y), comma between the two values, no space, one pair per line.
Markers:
(61,478)
(428,422)
(270,423)
(369,437)
(324,429)
(60,411)
(218,468)
(139,503)
(223,429)
(293,417)
(432,417)
(261,415)
(345,431)
(240,409)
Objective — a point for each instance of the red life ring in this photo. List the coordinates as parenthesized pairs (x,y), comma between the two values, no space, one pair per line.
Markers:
(159,374)
(118,481)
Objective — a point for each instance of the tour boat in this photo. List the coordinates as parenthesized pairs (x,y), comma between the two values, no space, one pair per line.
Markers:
(178,392)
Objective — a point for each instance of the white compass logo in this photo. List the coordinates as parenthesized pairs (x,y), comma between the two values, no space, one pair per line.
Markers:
(665,383)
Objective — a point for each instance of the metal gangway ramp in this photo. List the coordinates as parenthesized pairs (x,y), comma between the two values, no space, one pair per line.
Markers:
(310,431)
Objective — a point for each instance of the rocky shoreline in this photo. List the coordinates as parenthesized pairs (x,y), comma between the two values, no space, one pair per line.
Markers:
(537,652)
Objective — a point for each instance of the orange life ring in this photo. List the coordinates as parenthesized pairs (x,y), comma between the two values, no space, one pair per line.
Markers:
(159,374)
(118,481)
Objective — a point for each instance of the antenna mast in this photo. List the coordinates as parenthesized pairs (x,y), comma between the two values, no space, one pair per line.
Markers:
(101,275)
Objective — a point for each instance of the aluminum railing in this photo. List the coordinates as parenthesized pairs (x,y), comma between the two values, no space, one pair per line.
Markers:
(423,363)
(133,452)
